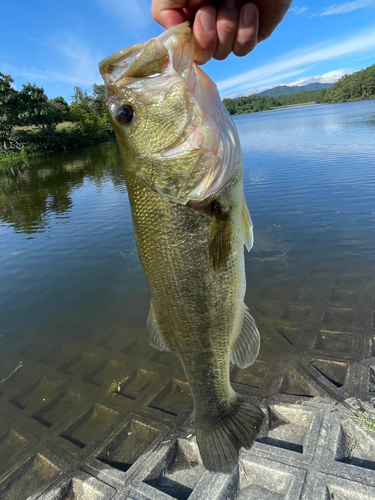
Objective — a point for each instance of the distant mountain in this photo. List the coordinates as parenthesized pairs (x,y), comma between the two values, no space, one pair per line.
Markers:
(353,87)
(285,90)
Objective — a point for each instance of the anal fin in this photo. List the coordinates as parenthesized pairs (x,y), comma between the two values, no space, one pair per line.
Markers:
(154,336)
(247,346)
(247,227)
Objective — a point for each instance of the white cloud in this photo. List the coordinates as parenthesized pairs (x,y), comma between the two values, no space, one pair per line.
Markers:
(133,15)
(265,84)
(330,77)
(347,7)
(334,76)
(298,10)
(298,61)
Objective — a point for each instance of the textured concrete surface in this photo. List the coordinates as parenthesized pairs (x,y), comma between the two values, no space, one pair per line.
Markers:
(105,416)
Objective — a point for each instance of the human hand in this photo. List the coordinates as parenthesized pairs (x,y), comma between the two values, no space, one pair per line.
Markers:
(222,26)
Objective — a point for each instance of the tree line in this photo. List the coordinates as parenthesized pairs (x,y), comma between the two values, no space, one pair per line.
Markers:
(359,85)
(29,119)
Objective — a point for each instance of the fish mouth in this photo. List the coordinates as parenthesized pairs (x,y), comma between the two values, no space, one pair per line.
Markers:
(171,50)
(168,59)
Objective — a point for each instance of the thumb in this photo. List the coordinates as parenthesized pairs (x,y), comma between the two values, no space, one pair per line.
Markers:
(169,13)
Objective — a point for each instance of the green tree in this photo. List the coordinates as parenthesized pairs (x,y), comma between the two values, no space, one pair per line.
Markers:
(36,109)
(57,111)
(89,112)
(9,109)
(98,102)
(33,105)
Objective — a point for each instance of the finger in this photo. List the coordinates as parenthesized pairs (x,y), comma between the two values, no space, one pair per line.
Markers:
(271,13)
(196,4)
(227,20)
(247,32)
(204,31)
(190,15)
(169,13)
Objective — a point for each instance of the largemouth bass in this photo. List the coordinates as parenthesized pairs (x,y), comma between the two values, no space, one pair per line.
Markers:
(183,170)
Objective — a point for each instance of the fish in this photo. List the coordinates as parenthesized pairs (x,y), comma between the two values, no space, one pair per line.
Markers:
(183,169)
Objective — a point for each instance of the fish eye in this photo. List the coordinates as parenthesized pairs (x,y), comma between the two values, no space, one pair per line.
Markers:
(125,114)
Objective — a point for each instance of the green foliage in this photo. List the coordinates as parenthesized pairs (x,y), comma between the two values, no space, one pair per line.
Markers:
(359,85)
(36,109)
(300,98)
(33,102)
(89,113)
(30,107)
(366,420)
(44,140)
(57,111)
(250,104)
(9,109)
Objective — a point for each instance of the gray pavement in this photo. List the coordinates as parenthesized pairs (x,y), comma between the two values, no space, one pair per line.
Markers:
(105,416)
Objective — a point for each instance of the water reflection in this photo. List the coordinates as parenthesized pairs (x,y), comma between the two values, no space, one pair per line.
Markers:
(69,267)
(74,299)
(33,190)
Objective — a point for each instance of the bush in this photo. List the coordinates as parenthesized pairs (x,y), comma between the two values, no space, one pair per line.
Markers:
(44,140)
(31,106)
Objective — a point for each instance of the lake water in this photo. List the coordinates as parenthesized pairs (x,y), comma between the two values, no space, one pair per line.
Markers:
(69,267)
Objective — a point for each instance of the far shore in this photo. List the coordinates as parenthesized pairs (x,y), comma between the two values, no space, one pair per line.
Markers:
(302,104)
(15,158)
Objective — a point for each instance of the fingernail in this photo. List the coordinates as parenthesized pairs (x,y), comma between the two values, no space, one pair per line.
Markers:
(248,15)
(231,4)
(208,20)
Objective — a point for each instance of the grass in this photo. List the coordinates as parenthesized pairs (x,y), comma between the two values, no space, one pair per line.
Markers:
(5,161)
(294,105)
(15,159)
(60,126)
(369,422)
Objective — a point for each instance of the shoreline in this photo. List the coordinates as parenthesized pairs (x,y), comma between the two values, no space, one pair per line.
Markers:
(286,106)
(13,158)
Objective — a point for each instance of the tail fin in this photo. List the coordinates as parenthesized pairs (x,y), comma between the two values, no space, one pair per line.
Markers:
(220,441)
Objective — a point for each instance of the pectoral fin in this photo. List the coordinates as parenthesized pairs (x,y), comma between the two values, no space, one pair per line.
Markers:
(154,336)
(247,347)
(247,227)
(220,243)
(221,235)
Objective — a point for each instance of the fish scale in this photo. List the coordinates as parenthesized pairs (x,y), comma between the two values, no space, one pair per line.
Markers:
(190,221)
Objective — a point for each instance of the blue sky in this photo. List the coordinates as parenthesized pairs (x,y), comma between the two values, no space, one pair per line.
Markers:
(58,44)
